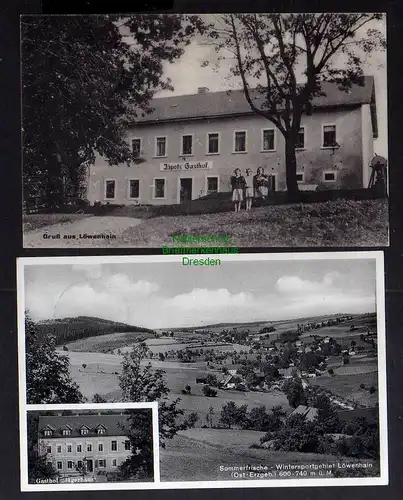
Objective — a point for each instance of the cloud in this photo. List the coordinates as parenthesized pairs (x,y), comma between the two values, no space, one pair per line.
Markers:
(119,298)
(294,285)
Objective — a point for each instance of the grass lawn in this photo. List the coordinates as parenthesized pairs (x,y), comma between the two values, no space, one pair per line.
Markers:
(38,221)
(331,223)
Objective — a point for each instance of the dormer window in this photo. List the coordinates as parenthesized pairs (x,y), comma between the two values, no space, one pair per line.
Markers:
(48,431)
(101,429)
(84,430)
(66,432)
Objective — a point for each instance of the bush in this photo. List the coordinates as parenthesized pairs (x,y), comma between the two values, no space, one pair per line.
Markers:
(209,392)
(297,435)
(362,386)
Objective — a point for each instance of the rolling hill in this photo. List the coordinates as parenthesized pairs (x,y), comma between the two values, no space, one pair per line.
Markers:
(72,329)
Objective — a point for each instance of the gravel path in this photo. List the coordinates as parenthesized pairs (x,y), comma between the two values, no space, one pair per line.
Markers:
(105,231)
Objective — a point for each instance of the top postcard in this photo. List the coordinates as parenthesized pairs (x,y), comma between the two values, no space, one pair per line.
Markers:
(219,130)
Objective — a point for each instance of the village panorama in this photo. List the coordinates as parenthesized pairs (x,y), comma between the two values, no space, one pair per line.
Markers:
(272,398)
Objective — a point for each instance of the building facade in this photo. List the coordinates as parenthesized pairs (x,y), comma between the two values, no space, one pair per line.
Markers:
(191,144)
(89,444)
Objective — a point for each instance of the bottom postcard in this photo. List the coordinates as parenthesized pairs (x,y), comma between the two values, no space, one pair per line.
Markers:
(143,373)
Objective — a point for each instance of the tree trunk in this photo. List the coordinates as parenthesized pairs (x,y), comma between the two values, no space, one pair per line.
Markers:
(291,170)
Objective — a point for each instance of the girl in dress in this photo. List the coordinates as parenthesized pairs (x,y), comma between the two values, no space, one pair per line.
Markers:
(238,184)
(248,189)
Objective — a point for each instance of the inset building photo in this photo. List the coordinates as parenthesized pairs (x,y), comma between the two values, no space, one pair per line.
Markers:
(90,446)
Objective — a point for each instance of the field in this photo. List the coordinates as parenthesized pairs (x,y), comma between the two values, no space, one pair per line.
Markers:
(331,223)
(348,386)
(327,224)
(100,376)
(82,327)
(197,454)
(108,342)
(39,221)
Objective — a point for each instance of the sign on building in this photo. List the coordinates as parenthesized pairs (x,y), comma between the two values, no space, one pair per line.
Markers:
(191,165)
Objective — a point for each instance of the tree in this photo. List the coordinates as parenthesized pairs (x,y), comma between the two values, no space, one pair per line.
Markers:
(327,419)
(139,464)
(276,48)
(38,465)
(85,80)
(143,384)
(97,398)
(297,435)
(295,392)
(209,391)
(48,379)
(210,416)
(212,380)
(231,414)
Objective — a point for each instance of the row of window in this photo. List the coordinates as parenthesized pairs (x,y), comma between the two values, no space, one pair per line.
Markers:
(70,465)
(88,447)
(240,142)
(67,432)
(133,186)
(212,185)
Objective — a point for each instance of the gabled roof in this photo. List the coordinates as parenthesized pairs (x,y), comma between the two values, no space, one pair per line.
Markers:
(233,102)
(307,412)
(227,379)
(288,371)
(113,424)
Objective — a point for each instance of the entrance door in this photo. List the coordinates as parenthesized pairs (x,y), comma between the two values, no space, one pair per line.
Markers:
(185,190)
(271,182)
(90,466)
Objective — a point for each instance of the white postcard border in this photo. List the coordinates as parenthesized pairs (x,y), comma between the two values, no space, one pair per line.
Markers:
(383,479)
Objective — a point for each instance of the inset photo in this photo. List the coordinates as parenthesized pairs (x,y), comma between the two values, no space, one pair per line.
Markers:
(96,445)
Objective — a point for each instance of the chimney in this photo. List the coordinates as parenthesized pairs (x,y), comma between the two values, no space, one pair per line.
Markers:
(202,90)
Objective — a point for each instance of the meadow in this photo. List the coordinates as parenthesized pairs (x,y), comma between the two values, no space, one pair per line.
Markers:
(197,454)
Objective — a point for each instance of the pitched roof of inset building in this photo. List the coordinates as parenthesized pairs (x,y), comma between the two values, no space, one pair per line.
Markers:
(233,102)
(115,425)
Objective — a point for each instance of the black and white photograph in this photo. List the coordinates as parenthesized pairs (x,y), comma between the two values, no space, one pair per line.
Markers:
(268,369)
(90,446)
(254,130)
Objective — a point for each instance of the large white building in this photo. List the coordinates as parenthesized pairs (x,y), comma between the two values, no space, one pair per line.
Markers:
(191,144)
(93,443)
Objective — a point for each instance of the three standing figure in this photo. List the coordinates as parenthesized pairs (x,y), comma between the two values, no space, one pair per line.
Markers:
(248,187)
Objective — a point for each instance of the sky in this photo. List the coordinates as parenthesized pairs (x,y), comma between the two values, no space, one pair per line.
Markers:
(187,75)
(169,295)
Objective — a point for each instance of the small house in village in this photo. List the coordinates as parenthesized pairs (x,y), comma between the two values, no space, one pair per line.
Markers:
(306,411)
